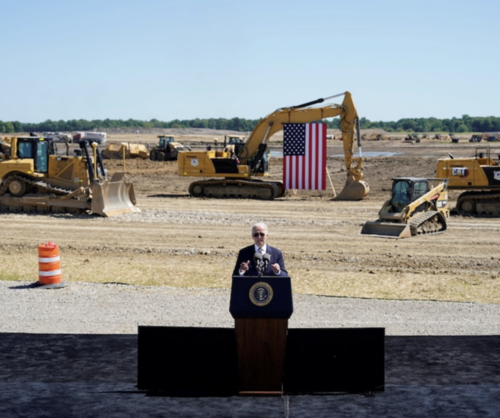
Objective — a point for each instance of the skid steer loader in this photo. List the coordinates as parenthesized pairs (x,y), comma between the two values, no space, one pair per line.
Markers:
(417,206)
(35,178)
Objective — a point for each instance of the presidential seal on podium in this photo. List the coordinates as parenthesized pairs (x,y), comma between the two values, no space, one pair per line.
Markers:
(261,294)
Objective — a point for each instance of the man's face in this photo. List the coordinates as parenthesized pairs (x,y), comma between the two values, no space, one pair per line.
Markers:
(261,237)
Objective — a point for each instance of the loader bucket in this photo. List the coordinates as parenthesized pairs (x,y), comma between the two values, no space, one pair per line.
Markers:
(113,197)
(353,190)
(386,229)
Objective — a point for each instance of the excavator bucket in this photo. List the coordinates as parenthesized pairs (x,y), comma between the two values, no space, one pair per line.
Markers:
(387,229)
(353,190)
(113,197)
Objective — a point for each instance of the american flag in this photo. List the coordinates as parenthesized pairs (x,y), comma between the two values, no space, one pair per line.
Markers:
(304,156)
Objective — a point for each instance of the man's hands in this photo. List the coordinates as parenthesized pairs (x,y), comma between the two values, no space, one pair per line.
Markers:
(244,266)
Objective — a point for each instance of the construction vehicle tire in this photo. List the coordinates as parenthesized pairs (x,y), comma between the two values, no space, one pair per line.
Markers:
(152,155)
(17,187)
(467,207)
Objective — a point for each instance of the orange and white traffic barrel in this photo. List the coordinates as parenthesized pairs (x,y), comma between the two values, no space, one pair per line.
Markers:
(49,265)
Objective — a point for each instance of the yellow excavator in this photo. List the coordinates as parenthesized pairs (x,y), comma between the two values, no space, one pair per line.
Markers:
(479,176)
(35,178)
(234,172)
(417,206)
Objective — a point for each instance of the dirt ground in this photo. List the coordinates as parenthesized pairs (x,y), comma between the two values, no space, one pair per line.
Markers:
(187,242)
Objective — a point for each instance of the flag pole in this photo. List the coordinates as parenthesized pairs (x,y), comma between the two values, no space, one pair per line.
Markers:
(331,184)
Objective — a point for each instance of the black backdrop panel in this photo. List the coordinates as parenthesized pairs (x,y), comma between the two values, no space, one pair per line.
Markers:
(334,360)
(187,361)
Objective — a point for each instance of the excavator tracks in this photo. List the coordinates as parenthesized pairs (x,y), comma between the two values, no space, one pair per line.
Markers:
(429,222)
(479,204)
(227,188)
(29,195)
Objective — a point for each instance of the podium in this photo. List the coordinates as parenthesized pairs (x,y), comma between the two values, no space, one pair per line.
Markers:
(261,307)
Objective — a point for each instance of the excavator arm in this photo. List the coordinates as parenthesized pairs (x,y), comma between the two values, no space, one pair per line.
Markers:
(355,188)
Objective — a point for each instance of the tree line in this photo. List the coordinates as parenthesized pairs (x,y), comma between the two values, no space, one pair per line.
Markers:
(464,124)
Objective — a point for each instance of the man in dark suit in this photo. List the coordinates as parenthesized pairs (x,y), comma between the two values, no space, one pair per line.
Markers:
(246,265)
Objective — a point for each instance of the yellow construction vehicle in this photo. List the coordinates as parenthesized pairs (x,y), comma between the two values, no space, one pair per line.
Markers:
(167,149)
(479,176)
(127,149)
(376,137)
(234,172)
(417,206)
(373,137)
(34,177)
(413,138)
(442,137)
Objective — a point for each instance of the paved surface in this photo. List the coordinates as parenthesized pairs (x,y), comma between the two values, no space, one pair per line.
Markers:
(75,375)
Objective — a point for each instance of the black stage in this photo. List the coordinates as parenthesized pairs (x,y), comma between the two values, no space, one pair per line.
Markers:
(65,375)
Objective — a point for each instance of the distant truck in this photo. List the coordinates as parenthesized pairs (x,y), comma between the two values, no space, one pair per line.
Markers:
(98,137)
(57,136)
(486,136)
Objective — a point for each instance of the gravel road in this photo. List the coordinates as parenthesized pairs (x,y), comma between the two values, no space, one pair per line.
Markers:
(89,308)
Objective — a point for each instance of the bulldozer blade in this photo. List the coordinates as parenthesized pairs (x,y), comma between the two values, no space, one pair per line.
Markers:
(353,190)
(113,197)
(386,229)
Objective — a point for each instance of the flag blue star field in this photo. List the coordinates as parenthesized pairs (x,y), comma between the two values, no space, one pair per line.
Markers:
(304,156)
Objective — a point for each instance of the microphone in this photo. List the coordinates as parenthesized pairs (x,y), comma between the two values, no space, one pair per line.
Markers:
(266,258)
(257,258)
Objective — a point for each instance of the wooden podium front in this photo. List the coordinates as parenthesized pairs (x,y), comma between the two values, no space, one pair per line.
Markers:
(261,307)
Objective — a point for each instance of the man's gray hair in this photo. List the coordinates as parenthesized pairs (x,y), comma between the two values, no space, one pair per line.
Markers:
(261,225)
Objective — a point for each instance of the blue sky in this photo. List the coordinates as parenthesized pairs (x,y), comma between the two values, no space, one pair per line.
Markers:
(186,59)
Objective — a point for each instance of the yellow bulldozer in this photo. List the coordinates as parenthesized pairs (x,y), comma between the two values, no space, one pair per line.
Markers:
(125,149)
(36,178)
(417,206)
